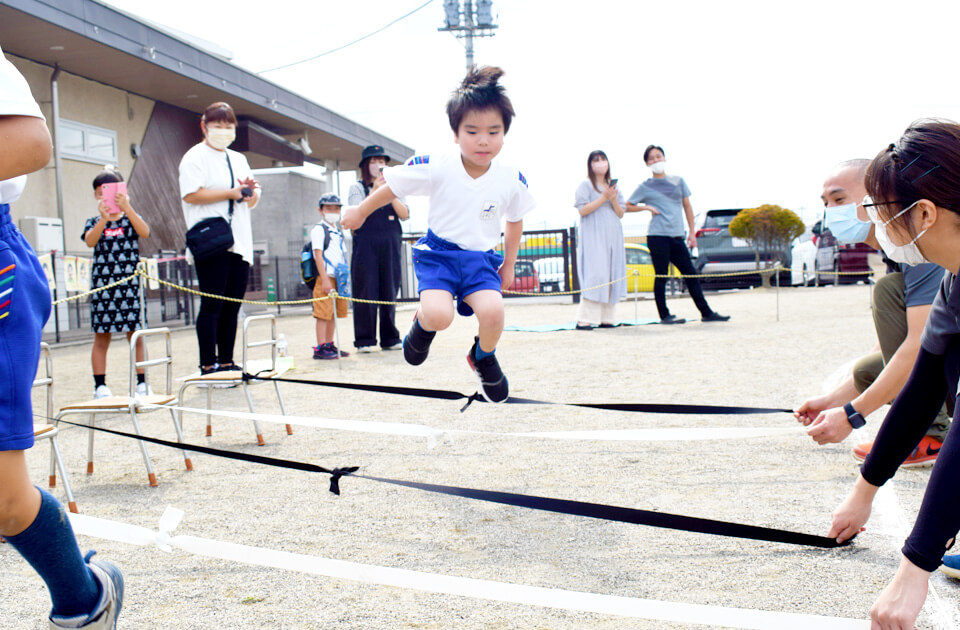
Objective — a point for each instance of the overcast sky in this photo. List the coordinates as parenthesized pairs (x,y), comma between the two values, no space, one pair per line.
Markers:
(752,101)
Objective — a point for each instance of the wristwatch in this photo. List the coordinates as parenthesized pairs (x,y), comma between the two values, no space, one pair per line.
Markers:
(853,416)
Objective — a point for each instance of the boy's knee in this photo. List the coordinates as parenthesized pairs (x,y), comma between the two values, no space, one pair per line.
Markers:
(491,316)
(436,319)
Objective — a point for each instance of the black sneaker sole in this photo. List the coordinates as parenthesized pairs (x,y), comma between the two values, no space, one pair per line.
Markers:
(480,384)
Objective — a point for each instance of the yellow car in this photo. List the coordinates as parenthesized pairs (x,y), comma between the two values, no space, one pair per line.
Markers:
(640,271)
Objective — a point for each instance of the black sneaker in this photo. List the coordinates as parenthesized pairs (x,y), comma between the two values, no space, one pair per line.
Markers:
(416,345)
(672,319)
(715,317)
(493,384)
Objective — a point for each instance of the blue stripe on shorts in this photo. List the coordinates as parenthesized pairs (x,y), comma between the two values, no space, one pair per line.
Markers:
(443,265)
(24,309)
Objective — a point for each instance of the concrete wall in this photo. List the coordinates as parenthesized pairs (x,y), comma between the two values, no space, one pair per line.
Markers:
(88,102)
(288,206)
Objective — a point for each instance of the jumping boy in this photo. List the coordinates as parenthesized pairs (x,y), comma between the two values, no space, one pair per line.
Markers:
(327,243)
(85,593)
(469,194)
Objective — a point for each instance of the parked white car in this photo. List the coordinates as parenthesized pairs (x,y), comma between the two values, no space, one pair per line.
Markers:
(803,260)
(551,274)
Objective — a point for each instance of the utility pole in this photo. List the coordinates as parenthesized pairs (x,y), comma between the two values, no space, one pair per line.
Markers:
(477,23)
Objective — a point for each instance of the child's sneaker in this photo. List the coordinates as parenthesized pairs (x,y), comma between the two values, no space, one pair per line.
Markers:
(343,353)
(144,390)
(324,352)
(102,391)
(104,616)
(416,345)
(493,384)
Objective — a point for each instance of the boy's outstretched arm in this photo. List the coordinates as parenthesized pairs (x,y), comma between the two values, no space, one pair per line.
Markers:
(511,244)
(26,145)
(353,217)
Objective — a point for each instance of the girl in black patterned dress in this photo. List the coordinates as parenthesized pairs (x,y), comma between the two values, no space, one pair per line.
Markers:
(114,237)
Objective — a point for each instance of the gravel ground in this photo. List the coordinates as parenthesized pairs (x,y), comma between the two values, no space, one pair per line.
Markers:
(786,482)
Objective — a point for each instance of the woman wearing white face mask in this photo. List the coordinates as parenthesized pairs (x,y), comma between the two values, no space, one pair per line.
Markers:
(667,197)
(218,192)
(914,188)
(601,258)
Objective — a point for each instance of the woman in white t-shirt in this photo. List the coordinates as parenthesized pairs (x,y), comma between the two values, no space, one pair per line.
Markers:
(218,182)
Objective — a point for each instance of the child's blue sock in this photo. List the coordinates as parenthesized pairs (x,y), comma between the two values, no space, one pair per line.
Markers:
(50,547)
(482,354)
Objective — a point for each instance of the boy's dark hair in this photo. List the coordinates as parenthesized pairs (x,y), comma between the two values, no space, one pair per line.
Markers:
(480,91)
(646,152)
(219,112)
(107,176)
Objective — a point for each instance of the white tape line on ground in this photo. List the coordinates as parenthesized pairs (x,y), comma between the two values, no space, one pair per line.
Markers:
(675,612)
(432,435)
(893,522)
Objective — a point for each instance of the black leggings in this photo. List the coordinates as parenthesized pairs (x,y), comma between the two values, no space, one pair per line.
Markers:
(224,274)
(671,249)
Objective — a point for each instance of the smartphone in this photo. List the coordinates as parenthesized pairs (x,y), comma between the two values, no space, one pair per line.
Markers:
(613,182)
(109,192)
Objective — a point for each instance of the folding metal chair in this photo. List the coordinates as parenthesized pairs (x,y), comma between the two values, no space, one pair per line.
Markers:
(48,431)
(234,378)
(133,404)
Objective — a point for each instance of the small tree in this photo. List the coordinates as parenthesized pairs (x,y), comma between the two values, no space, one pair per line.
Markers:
(769,230)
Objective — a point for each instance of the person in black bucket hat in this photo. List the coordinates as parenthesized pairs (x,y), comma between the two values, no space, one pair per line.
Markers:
(375,263)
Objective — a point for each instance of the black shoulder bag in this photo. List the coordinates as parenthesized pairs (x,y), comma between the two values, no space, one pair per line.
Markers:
(212,236)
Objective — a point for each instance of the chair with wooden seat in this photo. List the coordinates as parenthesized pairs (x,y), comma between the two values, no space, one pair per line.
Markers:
(235,378)
(47,431)
(132,405)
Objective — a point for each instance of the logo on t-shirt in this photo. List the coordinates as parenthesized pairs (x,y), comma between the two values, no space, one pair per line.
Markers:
(488,210)
(111,232)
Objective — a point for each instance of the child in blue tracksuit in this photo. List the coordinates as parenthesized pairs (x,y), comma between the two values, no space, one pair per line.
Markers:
(85,593)
(470,194)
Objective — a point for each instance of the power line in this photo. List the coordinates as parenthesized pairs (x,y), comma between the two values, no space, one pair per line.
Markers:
(323,54)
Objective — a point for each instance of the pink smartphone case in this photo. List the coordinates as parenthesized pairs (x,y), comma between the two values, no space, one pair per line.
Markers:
(110,194)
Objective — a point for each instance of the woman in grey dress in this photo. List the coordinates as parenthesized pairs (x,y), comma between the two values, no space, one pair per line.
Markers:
(601,258)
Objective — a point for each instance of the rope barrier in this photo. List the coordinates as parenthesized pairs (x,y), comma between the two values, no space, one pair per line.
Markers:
(141,272)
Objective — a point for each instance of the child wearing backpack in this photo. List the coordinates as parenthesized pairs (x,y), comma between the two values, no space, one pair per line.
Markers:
(327,245)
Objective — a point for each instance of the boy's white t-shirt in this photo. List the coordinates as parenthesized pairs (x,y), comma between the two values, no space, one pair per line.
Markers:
(334,251)
(463,210)
(205,167)
(15,100)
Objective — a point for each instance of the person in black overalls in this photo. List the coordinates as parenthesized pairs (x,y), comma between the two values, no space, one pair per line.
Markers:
(375,263)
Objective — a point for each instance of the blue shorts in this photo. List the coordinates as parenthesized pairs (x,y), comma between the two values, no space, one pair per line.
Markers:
(24,309)
(440,264)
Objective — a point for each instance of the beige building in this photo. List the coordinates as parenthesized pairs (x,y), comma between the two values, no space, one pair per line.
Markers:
(118,90)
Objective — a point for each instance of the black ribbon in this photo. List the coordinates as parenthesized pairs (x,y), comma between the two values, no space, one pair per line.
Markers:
(625,515)
(560,506)
(443,394)
(335,474)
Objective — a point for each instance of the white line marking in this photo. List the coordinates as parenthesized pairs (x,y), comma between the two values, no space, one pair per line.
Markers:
(432,435)
(675,612)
